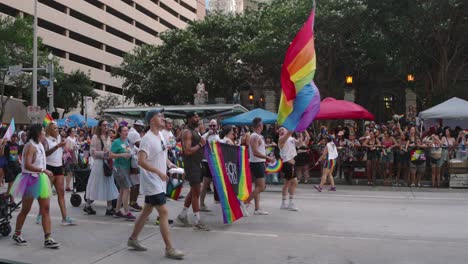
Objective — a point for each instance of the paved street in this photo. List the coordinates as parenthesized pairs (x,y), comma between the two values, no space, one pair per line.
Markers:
(354,225)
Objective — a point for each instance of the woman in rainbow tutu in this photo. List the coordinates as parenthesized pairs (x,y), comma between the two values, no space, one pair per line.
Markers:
(33,183)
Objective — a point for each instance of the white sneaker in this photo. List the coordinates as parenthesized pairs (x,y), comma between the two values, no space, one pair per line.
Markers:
(292,207)
(244,209)
(260,212)
(283,206)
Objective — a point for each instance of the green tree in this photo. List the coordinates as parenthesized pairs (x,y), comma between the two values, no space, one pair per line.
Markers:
(70,90)
(106,102)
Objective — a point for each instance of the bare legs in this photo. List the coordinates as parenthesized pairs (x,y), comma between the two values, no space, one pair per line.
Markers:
(260,186)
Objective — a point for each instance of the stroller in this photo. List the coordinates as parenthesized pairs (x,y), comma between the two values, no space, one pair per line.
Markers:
(5,214)
(81,173)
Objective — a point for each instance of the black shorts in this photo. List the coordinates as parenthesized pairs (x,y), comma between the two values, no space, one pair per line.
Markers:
(288,171)
(11,173)
(194,175)
(206,170)
(57,171)
(258,170)
(156,200)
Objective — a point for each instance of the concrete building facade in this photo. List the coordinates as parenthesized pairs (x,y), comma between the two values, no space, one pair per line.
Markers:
(94,35)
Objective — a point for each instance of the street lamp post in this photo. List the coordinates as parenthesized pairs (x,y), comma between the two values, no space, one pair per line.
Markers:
(34,90)
(50,92)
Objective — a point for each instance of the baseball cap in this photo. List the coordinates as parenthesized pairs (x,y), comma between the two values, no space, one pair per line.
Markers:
(139,123)
(191,114)
(149,115)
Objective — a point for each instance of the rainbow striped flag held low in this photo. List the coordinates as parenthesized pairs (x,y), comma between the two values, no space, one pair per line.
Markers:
(229,166)
(300,98)
(47,119)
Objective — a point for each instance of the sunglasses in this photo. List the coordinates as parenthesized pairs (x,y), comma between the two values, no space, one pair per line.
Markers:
(163,146)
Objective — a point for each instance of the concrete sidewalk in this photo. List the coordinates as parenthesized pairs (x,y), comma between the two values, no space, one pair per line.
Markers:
(356,224)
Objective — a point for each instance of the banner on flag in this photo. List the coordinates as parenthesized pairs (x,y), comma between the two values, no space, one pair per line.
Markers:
(231,176)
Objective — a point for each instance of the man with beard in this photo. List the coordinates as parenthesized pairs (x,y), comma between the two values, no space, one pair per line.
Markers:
(192,144)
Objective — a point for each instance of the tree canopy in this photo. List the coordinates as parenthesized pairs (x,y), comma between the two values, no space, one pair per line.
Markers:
(373,40)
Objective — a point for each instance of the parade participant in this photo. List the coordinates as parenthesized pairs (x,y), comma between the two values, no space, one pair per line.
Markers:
(418,160)
(227,135)
(387,157)
(257,158)
(120,151)
(192,144)
(371,143)
(71,145)
(33,183)
(153,162)
(329,156)
(134,138)
(287,146)
(210,136)
(100,187)
(53,146)
(11,152)
(3,158)
(303,157)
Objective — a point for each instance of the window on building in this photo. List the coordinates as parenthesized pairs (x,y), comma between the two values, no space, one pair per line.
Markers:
(155,1)
(168,9)
(86,19)
(51,26)
(115,51)
(113,89)
(57,52)
(146,12)
(85,61)
(193,10)
(147,29)
(96,3)
(119,15)
(8,10)
(98,86)
(55,5)
(167,24)
(186,20)
(119,34)
(128,2)
(139,42)
(85,40)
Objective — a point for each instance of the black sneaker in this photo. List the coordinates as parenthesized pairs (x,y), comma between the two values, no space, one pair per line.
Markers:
(19,240)
(110,212)
(169,220)
(50,243)
(89,210)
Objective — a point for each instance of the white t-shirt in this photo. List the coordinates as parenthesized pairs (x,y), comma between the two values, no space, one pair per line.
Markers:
(169,138)
(133,137)
(154,147)
(261,148)
(288,152)
(332,151)
(55,159)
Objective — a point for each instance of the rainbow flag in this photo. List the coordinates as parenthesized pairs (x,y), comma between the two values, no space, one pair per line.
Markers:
(300,98)
(47,119)
(11,129)
(231,177)
(174,188)
(178,147)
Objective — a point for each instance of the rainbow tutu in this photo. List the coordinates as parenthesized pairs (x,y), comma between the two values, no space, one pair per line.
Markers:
(27,185)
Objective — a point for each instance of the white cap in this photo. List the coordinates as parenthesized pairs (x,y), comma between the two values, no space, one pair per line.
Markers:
(139,123)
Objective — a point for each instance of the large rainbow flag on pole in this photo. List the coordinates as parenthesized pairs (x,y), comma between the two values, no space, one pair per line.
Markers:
(231,176)
(300,98)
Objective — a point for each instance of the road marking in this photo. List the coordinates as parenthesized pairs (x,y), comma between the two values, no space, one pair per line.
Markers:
(232,232)
(384,197)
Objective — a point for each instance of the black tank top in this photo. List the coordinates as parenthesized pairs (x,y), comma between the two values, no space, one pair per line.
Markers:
(196,158)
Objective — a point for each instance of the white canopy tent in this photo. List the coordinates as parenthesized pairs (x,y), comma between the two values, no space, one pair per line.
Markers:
(453,112)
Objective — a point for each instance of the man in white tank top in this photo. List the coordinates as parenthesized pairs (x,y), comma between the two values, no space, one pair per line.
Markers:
(287,146)
(257,158)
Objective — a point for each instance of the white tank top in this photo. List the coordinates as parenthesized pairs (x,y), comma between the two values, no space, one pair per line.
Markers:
(288,152)
(56,158)
(332,151)
(261,148)
(40,161)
